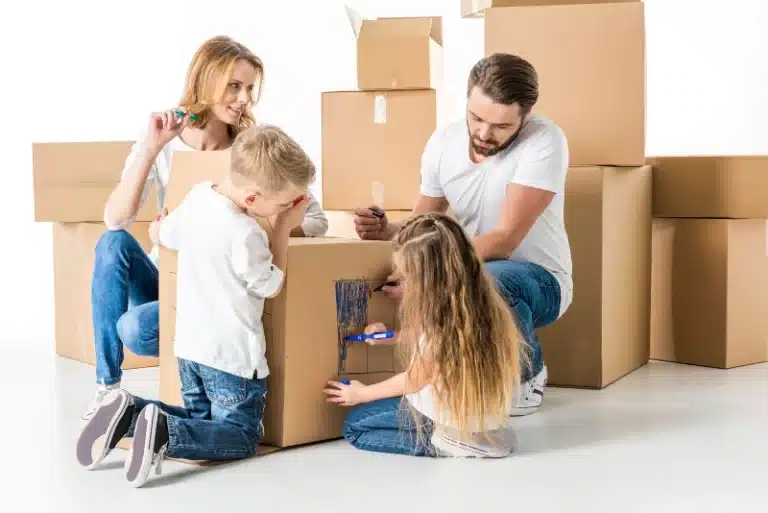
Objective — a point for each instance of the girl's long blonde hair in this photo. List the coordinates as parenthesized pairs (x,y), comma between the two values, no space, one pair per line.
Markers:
(454,321)
(208,75)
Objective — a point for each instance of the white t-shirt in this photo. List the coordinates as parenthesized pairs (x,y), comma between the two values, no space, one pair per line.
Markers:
(225,272)
(476,192)
(315,221)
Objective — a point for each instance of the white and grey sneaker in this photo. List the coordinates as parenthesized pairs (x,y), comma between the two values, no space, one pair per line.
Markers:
(149,445)
(496,444)
(101,392)
(530,395)
(106,426)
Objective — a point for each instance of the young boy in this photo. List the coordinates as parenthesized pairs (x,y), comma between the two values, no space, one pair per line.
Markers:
(225,271)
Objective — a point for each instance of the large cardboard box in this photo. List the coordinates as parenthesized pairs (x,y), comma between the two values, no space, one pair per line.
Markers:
(709,292)
(372,137)
(604,334)
(720,187)
(73,180)
(73,260)
(476,8)
(301,327)
(591,65)
(398,53)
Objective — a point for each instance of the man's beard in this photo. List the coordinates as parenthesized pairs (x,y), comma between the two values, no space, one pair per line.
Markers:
(496,147)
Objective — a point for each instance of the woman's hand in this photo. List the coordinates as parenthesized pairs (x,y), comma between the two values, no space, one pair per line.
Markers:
(345,395)
(165,126)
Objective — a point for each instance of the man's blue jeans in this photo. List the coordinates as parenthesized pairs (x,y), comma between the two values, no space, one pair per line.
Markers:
(124,307)
(222,417)
(534,294)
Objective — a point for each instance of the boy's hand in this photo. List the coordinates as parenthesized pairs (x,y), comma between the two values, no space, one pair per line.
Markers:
(345,395)
(292,217)
(154,228)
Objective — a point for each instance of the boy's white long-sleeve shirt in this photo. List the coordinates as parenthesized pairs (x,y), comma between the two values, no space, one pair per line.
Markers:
(225,272)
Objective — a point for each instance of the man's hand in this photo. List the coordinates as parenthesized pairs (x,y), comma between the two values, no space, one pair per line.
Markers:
(371,223)
(154,228)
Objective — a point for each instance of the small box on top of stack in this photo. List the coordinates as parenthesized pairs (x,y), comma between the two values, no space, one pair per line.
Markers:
(709,289)
(590,61)
(72,181)
(377,134)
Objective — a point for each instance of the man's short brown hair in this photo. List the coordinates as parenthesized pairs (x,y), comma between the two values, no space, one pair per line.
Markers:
(506,79)
(270,158)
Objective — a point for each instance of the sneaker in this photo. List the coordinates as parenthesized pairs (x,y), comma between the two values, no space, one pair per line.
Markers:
(496,444)
(101,392)
(107,425)
(530,395)
(149,445)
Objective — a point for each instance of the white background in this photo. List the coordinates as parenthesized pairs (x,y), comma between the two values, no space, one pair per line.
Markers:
(92,70)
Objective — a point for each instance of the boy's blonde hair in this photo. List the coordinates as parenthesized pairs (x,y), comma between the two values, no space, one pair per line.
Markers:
(455,321)
(266,156)
(208,75)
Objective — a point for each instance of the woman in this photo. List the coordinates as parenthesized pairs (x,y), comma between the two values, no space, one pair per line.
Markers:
(215,107)
(462,351)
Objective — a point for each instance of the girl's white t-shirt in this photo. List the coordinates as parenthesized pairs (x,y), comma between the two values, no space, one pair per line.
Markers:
(315,222)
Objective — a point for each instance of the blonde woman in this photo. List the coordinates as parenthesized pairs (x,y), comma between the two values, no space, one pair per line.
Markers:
(464,352)
(223,82)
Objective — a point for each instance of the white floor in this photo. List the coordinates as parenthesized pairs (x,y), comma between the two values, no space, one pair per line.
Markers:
(666,438)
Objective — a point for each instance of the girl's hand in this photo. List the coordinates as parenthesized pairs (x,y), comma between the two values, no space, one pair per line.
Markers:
(376,327)
(345,395)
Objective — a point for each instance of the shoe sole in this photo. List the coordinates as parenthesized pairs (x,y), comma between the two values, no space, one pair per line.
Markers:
(96,438)
(139,462)
(450,448)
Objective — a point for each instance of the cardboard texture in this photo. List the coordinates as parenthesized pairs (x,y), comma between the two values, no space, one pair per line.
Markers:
(398,53)
(303,348)
(720,187)
(341,223)
(73,261)
(476,8)
(73,180)
(591,65)
(372,137)
(709,291)
(604,335)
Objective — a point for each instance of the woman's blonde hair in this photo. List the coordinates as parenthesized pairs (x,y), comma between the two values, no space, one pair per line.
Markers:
(456,324)
(208,75)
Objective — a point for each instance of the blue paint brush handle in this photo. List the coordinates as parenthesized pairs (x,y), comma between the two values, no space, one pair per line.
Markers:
(370,336)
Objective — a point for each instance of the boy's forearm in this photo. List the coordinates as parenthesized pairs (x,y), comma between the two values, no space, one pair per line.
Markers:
(280,248)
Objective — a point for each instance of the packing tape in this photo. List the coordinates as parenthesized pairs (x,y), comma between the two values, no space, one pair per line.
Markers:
(475,6)
(380,109)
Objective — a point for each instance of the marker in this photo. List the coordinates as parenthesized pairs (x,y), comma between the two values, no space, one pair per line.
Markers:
(378,213)
(370,336)
(345,382)
(181,114)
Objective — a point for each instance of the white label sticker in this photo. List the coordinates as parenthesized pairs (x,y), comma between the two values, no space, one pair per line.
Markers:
(380,109)
(377,193)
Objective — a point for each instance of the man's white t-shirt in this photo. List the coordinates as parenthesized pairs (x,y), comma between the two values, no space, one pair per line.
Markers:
(476,192)
(315,222)
(225,272)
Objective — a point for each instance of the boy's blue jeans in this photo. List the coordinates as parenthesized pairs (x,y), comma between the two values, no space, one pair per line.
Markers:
(222,417)
(124,307)
(534,294)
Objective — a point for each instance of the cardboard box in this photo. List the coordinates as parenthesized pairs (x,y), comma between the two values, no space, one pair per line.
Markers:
(341,223)
(720,187)
(398,53)
(73,261)
(591,65)
(476,8)
(73,180)
(709,292)
(604,334)
(372,137)
(300,324)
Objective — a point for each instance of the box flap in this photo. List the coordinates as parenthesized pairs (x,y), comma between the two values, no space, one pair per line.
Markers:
(355,20)
(402,28)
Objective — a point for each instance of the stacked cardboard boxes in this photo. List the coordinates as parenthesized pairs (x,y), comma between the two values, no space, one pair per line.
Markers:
(300,323)
(72,182)
(710,260)
(373,137)
(590,59)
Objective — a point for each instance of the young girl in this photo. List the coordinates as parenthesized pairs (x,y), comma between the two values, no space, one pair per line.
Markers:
(463,351)
(224,81)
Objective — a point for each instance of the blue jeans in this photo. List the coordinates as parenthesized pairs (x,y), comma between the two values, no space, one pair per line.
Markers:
(388,426)
(222,415)
(124,307)
(534,294)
